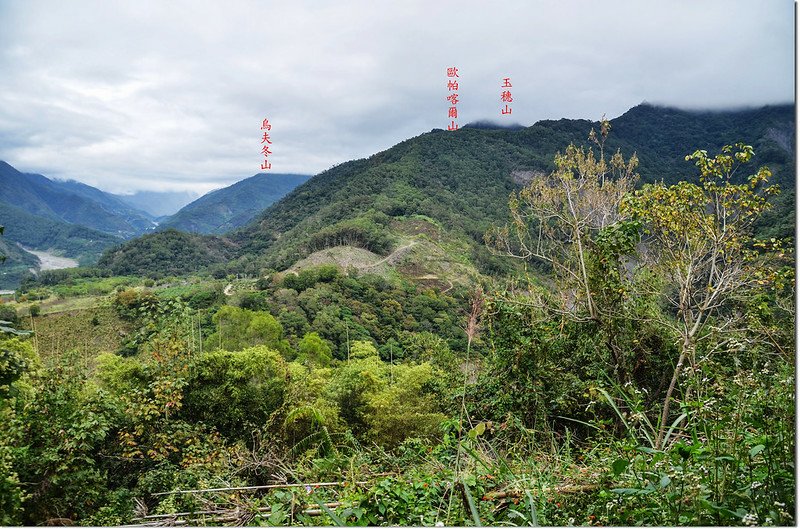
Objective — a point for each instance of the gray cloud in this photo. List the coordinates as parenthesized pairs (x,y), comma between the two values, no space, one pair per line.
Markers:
(170,95)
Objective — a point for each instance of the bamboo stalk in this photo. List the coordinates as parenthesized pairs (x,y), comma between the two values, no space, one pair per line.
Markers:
(176,514)
(566,489)
(221,515)
(260,487)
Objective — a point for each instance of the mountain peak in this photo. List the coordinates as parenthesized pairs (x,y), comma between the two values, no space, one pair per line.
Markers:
(230,207)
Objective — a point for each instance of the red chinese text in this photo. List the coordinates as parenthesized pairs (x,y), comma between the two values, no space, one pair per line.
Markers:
(265,144)
(505,96)
(452,97)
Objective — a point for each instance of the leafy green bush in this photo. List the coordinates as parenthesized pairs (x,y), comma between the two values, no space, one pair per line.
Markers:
(239,328)
(313,351)
(408,406)
(361,232)
(235,392)
(9,314)
(309,277)
(65,426)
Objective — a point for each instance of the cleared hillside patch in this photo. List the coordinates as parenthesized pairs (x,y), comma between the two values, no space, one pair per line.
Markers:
(87,332)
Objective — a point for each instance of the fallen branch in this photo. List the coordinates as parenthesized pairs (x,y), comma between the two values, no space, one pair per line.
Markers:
(565,489)
(262,487)
(220,516)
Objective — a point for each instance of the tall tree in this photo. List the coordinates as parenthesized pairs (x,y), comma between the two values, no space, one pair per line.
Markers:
(556,218)
(570,221)
(698,238)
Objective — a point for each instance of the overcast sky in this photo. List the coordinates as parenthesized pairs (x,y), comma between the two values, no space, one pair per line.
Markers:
(160,95)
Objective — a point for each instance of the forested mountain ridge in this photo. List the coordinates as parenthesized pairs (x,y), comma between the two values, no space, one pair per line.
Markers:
(176,253)
(464,178)
(71,202)
(228,208)
(42,233)
(16,265)
(461,181)
(70,218)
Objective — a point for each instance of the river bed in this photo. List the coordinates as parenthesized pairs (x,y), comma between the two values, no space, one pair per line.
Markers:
(52,262)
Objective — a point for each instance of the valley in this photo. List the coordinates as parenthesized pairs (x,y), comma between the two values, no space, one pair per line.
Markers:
(470,328)
(398,264)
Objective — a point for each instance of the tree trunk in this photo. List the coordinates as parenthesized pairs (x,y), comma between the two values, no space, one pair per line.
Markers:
(686,350)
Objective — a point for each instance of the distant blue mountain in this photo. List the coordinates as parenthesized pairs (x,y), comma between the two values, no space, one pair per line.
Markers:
(71,202)
(159,203)
(233,206)
(69,218)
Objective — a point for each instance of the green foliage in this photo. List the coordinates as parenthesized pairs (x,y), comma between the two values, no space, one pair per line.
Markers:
(351,387)
(121,375)
(252,301)
(16,359)
(141,309)
(313,351)
(427,347)
(362,232)
(154,431)
(65,276)
(11,494)
(16,356)
(362,349)
(235,392)
(240,328)
(316,431)
(400,502)
(310,277)
(167,253)
(9,314)
(76,282)
(342,308)
(556,218)
(406,407)
(732,464)
(383,403)
(699,239)
(539,370)
(63,430)
(196,295)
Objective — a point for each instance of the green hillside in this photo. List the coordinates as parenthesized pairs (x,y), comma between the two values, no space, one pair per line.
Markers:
(233,206)
(16,264)
(73,240)
(70,218)
(461,182)
(166,253)
(631,383)
(42,233)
